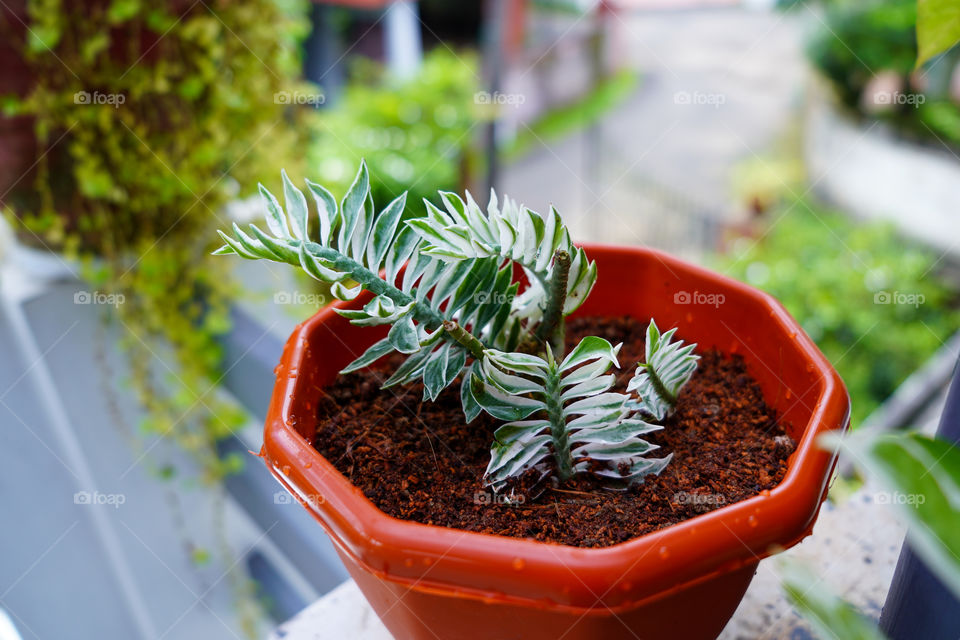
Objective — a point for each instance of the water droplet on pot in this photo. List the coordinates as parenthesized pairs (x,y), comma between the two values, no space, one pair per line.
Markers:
(285,470)
(765,493)
(518,564)
(408,562)
(752,521)
(788,394)
(277,369)
(307,465)
(626,585)
(810,367)
(664,553)
(428,561)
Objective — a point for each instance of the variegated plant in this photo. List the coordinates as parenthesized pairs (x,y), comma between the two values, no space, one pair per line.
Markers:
(669,365)
(562,415)
(445,281)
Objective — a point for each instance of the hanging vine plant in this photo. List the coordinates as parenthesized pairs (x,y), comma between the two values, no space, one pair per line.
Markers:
(143,119)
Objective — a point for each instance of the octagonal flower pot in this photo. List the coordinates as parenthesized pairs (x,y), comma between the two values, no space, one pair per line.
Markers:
(684,581)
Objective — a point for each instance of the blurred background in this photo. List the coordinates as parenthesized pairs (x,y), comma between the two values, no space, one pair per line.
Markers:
(794,146)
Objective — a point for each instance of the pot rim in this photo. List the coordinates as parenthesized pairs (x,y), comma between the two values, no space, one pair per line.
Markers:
(488,566)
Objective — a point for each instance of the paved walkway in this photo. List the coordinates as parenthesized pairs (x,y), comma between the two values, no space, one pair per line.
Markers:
(717,87)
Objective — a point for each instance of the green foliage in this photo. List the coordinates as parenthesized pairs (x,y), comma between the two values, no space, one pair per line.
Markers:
(414,135)
(353,245)
(938,27)
(831,617)
(669,365)
(511,233)
(861,39)
(147,117)
(926,472)
(578,423)
(449,294)
(850,286)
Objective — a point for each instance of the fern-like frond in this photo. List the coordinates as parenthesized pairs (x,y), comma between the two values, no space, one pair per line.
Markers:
(355,248)
(510,233)
(562,416)
(669,365)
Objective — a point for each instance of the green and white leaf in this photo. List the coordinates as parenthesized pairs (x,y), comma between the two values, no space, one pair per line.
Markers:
(668,367)
(353,245)
(562,416)
(510,233)
(927,470)
(831,617)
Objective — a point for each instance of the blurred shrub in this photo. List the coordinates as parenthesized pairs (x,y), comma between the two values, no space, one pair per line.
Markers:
(415,135)
(859,39)
(860,43)
(872,303)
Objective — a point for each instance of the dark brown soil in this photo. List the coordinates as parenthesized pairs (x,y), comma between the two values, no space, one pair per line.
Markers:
(419,461)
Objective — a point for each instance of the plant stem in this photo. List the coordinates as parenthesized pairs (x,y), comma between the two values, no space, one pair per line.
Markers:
(659,386)
(378,286)
(464,338)
(375,284)
(558,426)
(551,329)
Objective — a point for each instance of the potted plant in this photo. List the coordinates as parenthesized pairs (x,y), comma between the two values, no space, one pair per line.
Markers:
(547,444)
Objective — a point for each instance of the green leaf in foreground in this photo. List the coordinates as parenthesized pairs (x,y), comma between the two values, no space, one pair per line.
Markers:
(830,616)
(924,474)
(938,27)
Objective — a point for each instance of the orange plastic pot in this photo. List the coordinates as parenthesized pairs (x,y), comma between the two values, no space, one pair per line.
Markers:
(684,581)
